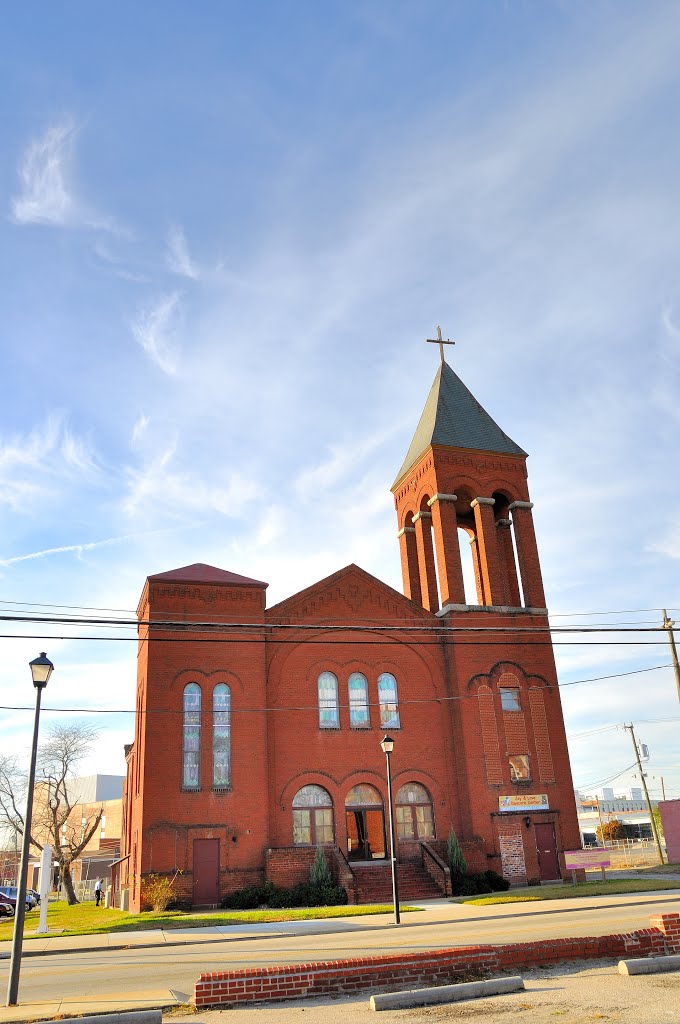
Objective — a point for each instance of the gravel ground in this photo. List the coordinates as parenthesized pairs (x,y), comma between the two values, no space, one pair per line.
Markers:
(574,994)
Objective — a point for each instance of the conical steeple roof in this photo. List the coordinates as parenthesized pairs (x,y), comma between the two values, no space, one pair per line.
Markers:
(453,418)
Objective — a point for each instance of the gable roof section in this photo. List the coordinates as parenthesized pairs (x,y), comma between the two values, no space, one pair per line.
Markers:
(353,593)
(453,418)
(199,572)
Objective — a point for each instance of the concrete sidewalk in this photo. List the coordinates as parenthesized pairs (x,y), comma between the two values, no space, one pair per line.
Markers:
(434,912)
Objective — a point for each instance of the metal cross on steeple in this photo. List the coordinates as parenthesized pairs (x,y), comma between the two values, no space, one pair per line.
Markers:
(440,341)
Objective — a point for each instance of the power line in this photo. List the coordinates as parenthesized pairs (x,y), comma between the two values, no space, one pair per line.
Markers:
(315,707)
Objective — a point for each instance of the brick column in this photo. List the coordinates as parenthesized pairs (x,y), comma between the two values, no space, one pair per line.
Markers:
(527,554)
(409,563)
(507,553)
(428,572)
(487,545)
(474,548)
(669,926)
(445,529)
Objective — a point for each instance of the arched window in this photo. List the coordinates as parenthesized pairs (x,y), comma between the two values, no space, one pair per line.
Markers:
(414,812)
(221,737)
(312,817)
(359,715)
(389,701)
(329,713)
(191,737)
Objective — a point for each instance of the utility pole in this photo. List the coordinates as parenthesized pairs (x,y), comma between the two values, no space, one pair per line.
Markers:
(668,626)
(663,789)
(643,779)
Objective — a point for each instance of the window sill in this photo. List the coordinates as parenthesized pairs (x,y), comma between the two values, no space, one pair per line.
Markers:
(190,789)
(222,789)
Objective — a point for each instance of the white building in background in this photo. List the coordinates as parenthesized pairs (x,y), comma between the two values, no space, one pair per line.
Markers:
(627,806)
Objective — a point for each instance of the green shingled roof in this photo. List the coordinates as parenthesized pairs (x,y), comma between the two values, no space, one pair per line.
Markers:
(453,418)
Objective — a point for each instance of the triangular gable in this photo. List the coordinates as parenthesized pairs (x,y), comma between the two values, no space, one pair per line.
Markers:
(350,593)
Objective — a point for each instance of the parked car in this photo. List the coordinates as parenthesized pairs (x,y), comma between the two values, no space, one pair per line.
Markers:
(6,908)
(9,893)
(35,894)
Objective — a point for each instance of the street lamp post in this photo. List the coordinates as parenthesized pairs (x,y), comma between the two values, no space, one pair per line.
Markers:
(41,670)
(387,745)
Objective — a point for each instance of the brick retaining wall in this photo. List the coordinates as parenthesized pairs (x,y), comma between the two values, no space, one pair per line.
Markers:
(440,966)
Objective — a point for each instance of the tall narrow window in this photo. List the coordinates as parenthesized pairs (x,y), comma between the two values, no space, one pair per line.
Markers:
(389,701)
(329,713)
(191,738)
(359,716)
(221,737)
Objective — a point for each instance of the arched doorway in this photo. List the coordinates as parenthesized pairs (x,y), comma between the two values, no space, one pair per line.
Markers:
(365,824)
(415,819)
(312,817)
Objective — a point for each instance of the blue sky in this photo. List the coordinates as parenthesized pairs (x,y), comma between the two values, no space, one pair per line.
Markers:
(226,230)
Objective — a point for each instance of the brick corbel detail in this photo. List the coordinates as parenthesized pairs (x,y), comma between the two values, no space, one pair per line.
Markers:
(445,530)
(527,554)
(487,547)
(426,566)
(409,564)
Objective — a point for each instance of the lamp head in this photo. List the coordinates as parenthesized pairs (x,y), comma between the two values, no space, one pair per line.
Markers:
(41,670)
(387,744)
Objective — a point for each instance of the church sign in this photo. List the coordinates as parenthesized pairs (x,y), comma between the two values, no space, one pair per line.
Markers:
(530,802)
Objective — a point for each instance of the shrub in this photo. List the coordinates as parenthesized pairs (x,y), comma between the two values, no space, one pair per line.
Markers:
(306,894)
(456,862)
(320,873)
(482,883)
(496,881)
(158,892)
(466,887)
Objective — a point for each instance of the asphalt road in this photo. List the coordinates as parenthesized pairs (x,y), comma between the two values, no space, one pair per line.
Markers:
(77,981)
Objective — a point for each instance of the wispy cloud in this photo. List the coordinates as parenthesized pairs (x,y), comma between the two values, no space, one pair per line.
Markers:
(139,429)
(29,463)
(158,486)
(80,548)
(46,194)
(177,254)
(155,329)
(45,197)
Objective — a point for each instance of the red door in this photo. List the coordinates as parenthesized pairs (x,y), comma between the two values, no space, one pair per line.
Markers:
(206,872)
(546,847)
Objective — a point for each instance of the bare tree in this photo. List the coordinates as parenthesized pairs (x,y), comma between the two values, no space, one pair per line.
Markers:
(55,798)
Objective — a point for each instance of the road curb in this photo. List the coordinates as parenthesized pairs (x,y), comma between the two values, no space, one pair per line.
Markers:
(122,1017)
(649,965)
(446,993)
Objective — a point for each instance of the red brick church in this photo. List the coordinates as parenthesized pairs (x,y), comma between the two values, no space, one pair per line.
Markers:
(258,729)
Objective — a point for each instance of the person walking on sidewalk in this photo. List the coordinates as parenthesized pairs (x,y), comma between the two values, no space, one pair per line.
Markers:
(98,892)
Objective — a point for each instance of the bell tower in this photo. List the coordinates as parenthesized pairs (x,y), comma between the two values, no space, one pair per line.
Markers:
(462,472)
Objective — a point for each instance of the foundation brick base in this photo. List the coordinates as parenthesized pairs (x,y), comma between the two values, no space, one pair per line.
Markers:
(436,967)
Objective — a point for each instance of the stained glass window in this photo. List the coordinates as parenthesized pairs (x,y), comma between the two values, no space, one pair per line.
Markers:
(359,716)
(221,737)
(389,701)
(329,713)
(363,796)
(415,819)
(191,737)
(312,817)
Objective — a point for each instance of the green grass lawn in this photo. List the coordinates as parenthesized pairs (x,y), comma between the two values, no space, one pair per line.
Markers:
(87,919)
(569,892)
